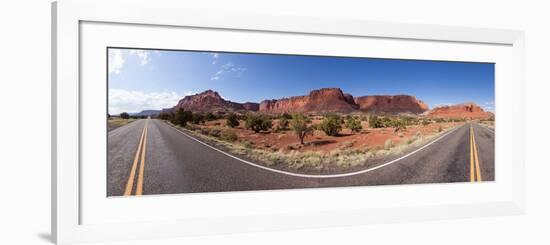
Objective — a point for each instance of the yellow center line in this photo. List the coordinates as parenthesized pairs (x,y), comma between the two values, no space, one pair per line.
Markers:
(130,182)
(139,187)
(472,172)
(474,160)
(478,170)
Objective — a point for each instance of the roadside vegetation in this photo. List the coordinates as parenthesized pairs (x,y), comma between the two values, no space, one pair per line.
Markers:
(120,120)
(311,142)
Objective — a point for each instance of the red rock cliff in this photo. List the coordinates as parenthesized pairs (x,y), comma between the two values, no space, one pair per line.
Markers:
(211,101)
(321,100)
(466,110)
(391,104)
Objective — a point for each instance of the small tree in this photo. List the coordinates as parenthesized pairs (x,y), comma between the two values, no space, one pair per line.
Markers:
(375,122)
(124,115)
(198,118)
(166,116)
(182,117)
(210,116)
(232,120)
(298,124)
(354,124)
(283,124)
(331,125)
(257,123)
(286,116)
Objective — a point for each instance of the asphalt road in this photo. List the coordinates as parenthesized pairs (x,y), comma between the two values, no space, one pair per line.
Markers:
(173,162)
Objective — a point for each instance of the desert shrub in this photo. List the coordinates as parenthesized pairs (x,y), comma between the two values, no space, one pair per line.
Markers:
(198,118)
(191,127)
(375,122)
(425,122)
(182,117)
(398,124)
(439,129)
(166,116)
(210,116)
(331,125)
(258,122)
(124,115)
(299,125)
(215,133)
(388,144)
(232,120)
(283,124)
(229,135)
(354,124)
(247,144)
(286,116)
(205,131)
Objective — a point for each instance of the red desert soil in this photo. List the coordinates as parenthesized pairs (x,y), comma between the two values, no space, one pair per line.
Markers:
(368,138)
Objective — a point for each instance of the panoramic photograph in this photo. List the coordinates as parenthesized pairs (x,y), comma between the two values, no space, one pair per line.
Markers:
(182,121)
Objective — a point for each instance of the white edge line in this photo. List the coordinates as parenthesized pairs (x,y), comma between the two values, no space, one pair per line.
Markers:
(492,131)
(312,175)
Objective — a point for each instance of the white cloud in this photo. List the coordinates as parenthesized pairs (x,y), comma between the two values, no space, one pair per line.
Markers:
(226,69)
(118,57)
(143,56)
(121,100)
(116,61)
(189,93)
(215,56)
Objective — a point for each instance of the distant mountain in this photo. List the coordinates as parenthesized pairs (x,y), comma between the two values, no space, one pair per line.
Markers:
(211,101)
(465,110)
(145,113)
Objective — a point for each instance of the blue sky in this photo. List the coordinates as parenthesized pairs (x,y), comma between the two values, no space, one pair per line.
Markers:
(151,79)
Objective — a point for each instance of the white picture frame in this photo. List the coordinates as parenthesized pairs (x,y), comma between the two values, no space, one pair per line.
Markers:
(67,196)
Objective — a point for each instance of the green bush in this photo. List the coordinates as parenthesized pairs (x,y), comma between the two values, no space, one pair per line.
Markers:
(229,135)
(198,118)
(354,124)
(331,125)
(182,117)
(166,116)
(300,127)
(124,115)
(283,124)
(286,116)
(215,133)
(210,116)
(232,120)
(258,122)
(375,122)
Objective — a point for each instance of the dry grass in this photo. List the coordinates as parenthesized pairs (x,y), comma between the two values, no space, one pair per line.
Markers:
(113,123)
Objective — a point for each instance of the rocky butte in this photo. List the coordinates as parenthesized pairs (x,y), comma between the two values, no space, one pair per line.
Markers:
(321,100)
(391,104)
(465,110)
(211,101)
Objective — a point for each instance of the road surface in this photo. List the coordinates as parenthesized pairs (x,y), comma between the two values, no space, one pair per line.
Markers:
(151,157)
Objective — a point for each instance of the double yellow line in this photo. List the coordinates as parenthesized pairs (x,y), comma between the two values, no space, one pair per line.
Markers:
(475,172)
(140,154)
